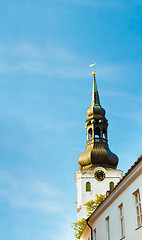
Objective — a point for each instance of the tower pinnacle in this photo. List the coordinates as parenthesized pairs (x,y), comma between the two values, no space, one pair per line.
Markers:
(95,94)
(97,152)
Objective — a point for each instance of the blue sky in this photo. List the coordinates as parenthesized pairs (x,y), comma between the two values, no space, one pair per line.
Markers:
(45,91)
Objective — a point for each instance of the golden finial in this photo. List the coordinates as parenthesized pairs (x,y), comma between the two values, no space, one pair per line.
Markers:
(94,73)
(93,65)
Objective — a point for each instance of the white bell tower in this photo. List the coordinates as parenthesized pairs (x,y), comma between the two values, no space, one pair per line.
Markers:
(88,185)
(97,165)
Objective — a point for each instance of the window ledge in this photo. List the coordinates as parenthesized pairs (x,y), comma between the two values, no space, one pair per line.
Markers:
(138,227)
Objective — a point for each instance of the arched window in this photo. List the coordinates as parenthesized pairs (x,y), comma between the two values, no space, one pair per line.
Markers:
(90,133)
(111,185)
(88,186)
(104,133)
(97,133)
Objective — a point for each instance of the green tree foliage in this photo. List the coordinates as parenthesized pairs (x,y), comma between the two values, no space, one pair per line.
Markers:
(78,227)
(93,204)
(90,207)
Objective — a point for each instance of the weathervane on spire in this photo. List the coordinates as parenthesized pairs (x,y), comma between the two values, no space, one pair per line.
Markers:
(93,65)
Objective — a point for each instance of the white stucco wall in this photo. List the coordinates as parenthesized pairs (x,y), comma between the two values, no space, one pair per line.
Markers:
(97,187)
(110,208)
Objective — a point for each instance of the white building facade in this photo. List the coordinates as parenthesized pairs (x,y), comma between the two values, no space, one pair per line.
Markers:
(119,216)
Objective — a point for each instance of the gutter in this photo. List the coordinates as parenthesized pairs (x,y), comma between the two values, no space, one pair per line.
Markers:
(90,228)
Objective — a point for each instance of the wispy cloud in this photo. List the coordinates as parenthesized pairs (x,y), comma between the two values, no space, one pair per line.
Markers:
(28,58)
(33,195)
(137,118)
(110,71)
(101,3)
(45,189)
(66,230)
(51,60)
(42,206)
(138,2)
(127,96)
(29,50)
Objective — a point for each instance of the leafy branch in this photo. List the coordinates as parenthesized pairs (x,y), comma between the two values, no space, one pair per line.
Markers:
(79,226)
(93,204)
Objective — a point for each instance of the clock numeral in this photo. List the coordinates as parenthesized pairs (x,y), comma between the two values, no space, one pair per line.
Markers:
(99,175)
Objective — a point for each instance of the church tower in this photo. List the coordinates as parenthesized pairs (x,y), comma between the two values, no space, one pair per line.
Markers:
(97,165)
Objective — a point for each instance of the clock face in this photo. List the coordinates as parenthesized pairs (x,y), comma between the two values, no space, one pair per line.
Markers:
(99,175)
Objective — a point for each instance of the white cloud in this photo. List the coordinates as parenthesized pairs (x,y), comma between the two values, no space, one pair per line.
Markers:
(23,49)
(138,2)
(53,60)
(127,96)
(30,67)
(137,117)
(49,60)
(110,3)
(29,50)
(45,189)
(66,231)
(96,4)
(33,195)
(110,71)
(42,206)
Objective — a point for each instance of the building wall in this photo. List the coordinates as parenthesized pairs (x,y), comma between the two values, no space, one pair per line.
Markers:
(97,187)
(130,221)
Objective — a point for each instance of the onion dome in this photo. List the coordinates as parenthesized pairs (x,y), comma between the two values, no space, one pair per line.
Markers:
(97,152)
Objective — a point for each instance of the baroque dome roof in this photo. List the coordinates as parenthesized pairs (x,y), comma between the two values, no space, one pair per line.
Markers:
(97,152)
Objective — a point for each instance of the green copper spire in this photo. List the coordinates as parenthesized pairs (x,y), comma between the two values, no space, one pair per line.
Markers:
(95,94)
(97,152)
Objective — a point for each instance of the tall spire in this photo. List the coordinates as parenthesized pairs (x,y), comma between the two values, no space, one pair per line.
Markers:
(97,152)
(95,94)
